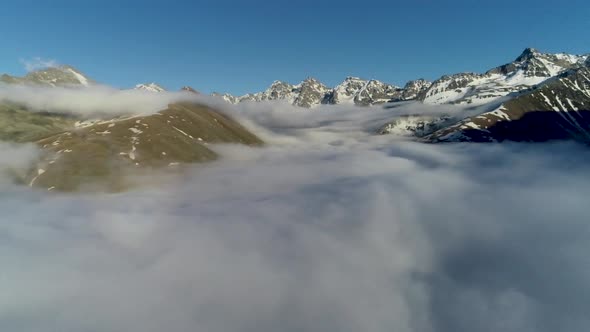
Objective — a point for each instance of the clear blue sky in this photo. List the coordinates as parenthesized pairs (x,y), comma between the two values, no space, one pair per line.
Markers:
(242,46)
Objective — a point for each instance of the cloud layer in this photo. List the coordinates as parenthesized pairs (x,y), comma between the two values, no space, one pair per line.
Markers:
(93,101)
(327,228)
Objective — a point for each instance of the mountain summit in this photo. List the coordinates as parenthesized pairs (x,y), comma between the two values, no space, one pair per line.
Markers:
(53,76)
(150,87)
(527,54)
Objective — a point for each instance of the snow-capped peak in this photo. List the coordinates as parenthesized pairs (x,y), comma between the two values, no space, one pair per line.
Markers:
(414,88)
(354,90)
(83,80)
(51,76)
(190,89)
(528,54)
(530,69)
(150,87)
(364,92)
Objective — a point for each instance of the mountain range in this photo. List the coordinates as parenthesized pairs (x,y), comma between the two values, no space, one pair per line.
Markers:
(537,97)
(528,70)
(352,90)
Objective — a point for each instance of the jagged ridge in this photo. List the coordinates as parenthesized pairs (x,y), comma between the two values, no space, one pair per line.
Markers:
(352,90)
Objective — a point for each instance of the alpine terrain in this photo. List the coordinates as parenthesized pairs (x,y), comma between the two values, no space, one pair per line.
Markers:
(537,97)
(352,90)
(91,153)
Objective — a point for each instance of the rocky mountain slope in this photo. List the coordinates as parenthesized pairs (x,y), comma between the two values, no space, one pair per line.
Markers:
(100,154)
(558,109)
(537,97)
(306,94)
(527,71)
(79,153)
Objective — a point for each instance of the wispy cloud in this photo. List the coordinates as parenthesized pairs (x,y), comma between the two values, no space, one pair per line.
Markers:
(97,99)
(38,63)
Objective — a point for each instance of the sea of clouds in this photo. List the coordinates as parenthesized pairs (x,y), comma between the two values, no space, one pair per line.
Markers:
(326,228)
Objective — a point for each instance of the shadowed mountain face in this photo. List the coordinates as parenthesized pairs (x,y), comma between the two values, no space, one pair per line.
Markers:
(532,126)
(103,153)
(559,109)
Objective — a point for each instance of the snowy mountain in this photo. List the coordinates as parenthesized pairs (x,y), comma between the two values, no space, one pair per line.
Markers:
(150,87)
(226,97)
(352,90)
(413,89)
(530,69)
(416,125)
(527,71)
(347,91)
(537,97)
(364,93)
(558,109)
(305,94)
(52,76)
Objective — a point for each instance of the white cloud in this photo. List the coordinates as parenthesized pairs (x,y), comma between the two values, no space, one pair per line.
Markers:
(90,101)
(15,161)
(327,228)
(37,63)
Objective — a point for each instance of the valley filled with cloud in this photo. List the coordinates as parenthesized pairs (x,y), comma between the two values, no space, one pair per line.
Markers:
(327,227)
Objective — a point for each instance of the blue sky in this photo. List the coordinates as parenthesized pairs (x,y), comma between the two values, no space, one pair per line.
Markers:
(242,46)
